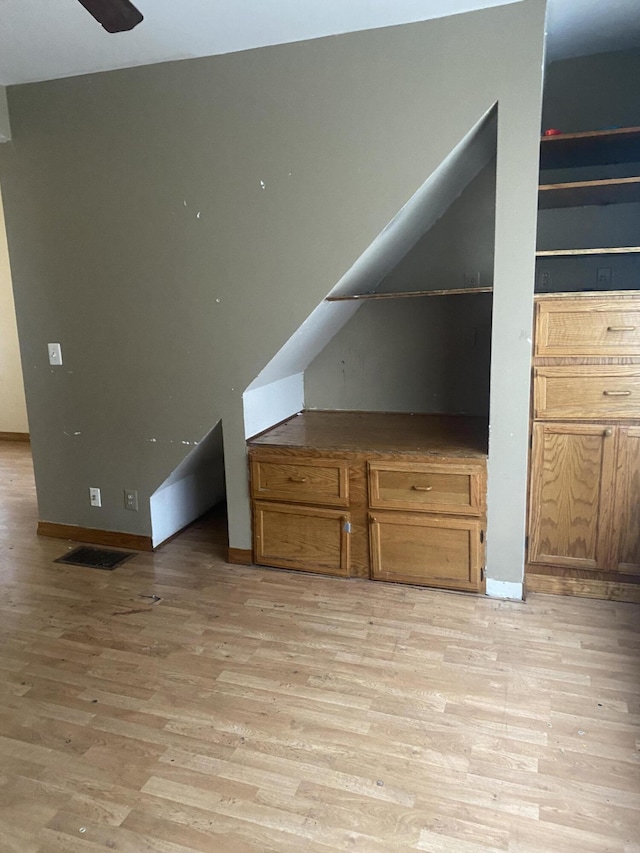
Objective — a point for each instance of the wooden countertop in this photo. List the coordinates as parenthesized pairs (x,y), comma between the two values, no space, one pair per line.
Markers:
(380,432)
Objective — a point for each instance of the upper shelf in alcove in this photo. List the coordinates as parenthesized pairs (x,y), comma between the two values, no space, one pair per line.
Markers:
(581,193)
(409,293)
(590,148)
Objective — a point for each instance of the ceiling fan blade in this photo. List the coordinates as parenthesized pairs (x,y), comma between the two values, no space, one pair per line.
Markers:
(116,16)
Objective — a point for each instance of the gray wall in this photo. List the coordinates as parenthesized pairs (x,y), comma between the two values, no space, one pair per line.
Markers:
(142,238)
(589,93)
(420,354)
(408,355)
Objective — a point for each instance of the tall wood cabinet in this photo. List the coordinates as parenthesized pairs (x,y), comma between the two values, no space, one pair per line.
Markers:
(584,506)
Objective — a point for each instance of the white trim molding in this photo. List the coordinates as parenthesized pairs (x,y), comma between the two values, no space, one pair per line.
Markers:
(504,589)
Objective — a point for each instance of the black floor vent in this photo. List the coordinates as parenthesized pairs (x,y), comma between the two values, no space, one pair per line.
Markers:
(95,558)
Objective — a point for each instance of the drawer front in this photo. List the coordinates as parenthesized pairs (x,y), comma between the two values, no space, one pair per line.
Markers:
(587,391)
(583,327)
(304,480)
(427,487)
(426,550)
(306,538)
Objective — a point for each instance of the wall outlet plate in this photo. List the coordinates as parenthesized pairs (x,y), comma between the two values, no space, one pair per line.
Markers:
(131,499)
(472,279)
(95,498)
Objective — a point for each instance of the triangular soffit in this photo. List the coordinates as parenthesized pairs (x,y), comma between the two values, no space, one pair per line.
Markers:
(413,221)
(205,453)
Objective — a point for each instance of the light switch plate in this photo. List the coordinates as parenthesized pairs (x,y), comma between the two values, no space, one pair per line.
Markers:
(55,354)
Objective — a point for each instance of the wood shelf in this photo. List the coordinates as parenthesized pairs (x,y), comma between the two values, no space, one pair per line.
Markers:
(612,250)
(590,148)
(582,193)
(408,294)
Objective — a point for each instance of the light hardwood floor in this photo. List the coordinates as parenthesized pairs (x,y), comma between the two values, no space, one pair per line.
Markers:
(258,710)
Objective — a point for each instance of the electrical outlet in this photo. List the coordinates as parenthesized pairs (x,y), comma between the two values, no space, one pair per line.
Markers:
(545,280)
(55,354)
(603,276)
(472,279)
(131,499)
(95,498)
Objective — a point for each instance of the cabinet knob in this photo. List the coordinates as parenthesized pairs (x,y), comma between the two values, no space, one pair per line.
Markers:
(608,432)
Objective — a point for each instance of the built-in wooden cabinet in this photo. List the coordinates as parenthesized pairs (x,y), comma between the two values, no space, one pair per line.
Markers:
(302,537)
(584,497)
(429,550)
(625,553)
(389,497)
(572,484)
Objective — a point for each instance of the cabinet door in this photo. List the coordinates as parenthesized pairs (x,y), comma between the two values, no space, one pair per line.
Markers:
(427,550)
(625,555)
(572,468)
(298,537)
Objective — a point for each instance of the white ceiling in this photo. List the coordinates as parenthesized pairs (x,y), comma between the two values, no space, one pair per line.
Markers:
(46,39)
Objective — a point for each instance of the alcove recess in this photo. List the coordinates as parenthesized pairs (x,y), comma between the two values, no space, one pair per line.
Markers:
(420,340)
(589,216)
(384,474)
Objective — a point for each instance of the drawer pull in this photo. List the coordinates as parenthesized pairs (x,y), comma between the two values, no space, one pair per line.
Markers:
(621,328)
(422,488)
(617,393)
(301,479)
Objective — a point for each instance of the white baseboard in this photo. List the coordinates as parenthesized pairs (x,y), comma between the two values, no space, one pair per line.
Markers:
(504,589)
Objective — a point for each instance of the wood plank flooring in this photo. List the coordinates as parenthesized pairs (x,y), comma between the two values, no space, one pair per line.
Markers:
(257,710)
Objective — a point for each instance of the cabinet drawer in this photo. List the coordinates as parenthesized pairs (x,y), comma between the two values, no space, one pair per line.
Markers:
(426,550)
(296,537)
(587,391)
(303,479)
(583,327)
(427,487)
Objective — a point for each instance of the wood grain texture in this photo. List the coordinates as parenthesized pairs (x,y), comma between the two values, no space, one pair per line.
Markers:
(325,458)
(588,325)
(303,480)
(426,549)
(380,432)
(240,556)
(584,539)
(93,536)
(15,436)
(254,711)
(313,539)
(625,547)
(448,486)
(612,590)
(571,493)
(586,392)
